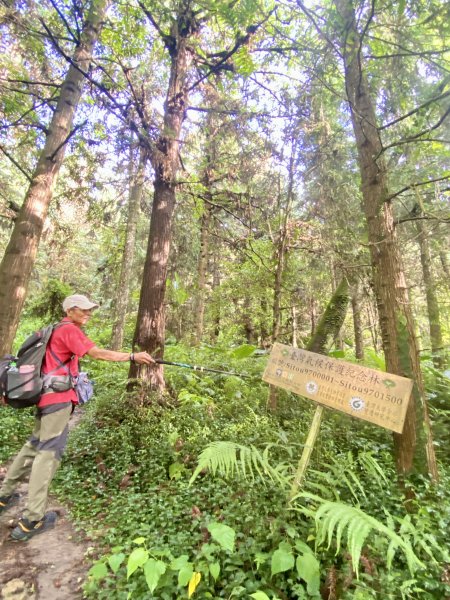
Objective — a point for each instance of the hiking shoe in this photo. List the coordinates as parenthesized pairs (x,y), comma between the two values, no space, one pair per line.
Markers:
(26,529)
(8,501)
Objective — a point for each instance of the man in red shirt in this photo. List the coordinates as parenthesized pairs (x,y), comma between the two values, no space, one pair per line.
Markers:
(41,455)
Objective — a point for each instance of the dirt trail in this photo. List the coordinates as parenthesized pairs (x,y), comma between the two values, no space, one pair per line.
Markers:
(50,566)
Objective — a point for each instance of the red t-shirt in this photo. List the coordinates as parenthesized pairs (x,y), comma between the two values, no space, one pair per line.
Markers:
(67,341)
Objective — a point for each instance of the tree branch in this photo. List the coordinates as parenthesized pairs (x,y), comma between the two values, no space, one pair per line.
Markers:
(413,185)
(64,142)
(15,163)
(240,41)
(415,110)
(167,39)
(27,82)
(75,39)
(414,138)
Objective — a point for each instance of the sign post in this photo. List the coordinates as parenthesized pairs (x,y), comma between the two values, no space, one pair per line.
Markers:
(375,396)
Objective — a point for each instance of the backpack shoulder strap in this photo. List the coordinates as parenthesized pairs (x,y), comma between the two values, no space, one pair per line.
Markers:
(61,364)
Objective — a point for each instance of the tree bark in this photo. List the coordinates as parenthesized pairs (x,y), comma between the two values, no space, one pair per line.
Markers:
(123,288)
(17,264)
(394,310)
(150,326)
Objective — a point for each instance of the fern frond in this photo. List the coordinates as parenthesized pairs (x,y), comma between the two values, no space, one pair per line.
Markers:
(372,467)
(333,518)
(229,458)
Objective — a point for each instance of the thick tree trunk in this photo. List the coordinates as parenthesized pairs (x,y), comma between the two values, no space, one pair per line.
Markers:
(17,264)
(123,288)
(394,310)
(150,326)
(430,292)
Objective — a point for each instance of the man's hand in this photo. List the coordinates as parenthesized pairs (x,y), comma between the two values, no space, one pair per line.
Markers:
(143,358)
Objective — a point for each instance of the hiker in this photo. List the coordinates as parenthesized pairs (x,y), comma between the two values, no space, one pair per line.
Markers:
(41,455)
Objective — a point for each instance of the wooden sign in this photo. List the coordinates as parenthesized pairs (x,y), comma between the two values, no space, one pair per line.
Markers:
(375,396)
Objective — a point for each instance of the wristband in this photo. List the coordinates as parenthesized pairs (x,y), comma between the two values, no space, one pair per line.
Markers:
(132,357)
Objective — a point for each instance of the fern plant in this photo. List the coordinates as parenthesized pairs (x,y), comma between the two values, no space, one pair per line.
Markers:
(229,459)
(332,518)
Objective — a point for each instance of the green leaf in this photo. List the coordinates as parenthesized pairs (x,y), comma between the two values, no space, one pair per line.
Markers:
(115,560)
(223,534)
(214,569)
(137,559)
(185,574)
(180,562)
(176,469)
(337,354)
(282,560)
(303,547)
(139,540)
(98,571)
(153,569)
(243,351)
(259,596)
(308,568)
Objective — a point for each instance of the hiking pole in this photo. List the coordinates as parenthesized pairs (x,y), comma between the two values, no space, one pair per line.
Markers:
(197,368)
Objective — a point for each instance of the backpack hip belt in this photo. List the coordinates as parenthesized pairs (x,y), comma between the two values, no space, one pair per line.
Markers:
(57,383)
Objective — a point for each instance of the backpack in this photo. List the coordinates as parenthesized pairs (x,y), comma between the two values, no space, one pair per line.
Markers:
(21,381)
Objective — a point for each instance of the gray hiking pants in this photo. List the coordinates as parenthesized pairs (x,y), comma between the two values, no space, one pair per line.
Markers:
(40,457)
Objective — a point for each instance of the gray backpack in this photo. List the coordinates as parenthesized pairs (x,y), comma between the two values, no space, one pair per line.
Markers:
(21,381)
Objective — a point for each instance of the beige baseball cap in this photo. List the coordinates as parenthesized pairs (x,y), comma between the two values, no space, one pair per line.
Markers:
(79,301)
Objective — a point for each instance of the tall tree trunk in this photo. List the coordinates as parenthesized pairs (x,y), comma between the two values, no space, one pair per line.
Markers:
(201,273)
(394,310)
(294,326)
(150,325)
(17,264)
(123,289)
(312,314)
(430,292)
(281,248)
(216,286)
(357,323)
(281,251)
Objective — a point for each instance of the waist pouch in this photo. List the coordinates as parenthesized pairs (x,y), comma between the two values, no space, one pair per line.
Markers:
(57,383)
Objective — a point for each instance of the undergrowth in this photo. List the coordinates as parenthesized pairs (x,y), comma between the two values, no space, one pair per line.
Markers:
(158,533)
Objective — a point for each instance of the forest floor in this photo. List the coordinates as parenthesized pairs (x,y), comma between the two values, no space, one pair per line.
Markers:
(50,566)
